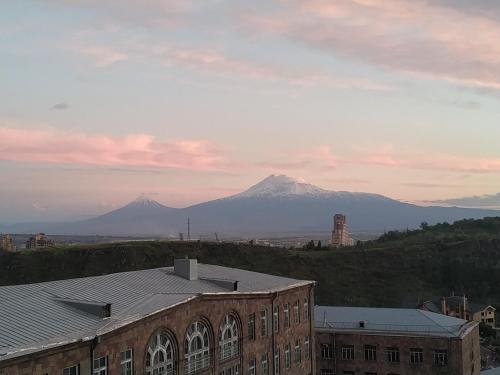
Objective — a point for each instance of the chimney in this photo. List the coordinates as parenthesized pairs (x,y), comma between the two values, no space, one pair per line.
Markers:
(186,268)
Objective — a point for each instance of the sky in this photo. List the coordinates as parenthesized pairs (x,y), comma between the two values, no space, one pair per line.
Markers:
(186,101)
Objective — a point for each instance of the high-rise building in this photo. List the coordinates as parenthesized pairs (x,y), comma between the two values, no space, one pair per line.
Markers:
(340,234)
(39,240)
(6,243)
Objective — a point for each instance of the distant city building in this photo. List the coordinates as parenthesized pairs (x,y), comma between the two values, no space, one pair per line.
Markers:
(354,340)
(340,234)
(188,319)
(39,240)
(460,307)
(6,243)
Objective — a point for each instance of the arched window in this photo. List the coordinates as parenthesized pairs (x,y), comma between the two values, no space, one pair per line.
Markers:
(197,351)
(228,337)
(160,356)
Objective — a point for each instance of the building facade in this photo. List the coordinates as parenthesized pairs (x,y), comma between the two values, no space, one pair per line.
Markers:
(372,341)
(460,307)
(39,240)
(6,243)
(340,233)
(190,319)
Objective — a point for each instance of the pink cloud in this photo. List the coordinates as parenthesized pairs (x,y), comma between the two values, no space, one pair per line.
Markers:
(101,56)
(419,37)
(137,150)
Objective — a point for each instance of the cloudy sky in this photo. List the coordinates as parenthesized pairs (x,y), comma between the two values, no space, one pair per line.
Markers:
(185,101)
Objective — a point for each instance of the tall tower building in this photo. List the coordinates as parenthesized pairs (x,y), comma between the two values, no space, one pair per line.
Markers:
(340,234)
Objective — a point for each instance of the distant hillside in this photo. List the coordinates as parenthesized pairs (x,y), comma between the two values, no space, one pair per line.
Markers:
(277,204)
(398,269)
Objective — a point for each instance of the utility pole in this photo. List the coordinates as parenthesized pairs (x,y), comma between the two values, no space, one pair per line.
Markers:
(189,229)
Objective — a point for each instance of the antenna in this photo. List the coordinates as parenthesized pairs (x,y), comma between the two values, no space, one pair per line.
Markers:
(189,229)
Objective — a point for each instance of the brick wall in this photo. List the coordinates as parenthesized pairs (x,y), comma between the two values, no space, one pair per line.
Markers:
(210,308)
(460,359)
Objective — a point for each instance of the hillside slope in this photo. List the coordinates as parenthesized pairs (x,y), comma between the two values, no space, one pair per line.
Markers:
(461,258)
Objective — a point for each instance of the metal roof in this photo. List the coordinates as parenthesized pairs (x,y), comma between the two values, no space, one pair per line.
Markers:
(38,316)
(390,321)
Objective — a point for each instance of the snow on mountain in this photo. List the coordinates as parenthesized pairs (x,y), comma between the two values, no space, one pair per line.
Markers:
(280,186)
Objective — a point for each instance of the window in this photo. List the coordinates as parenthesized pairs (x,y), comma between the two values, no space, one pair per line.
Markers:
(416,355)
(73,370)
(100,366)
(370,353)
(296,313)
(326,351)
(441,357)
(251,367)
(288,356)
(231,370)
(306,347)
(228,337)
(392,354)
(347,352)
(286,312)
(276,319)
(251,326)
(126,364)
(306,309)
(327,371)
(160,355)
(298,351)
(263,323)
(264,364)
(277,361)
(197,352)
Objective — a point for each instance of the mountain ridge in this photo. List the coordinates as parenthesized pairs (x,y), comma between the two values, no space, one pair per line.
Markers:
(276,204)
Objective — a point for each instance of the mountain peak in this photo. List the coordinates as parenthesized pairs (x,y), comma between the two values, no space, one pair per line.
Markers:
(142,201)
(281,186)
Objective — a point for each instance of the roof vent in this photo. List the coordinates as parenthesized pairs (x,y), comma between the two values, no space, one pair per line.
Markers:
(186,268)
(362,324)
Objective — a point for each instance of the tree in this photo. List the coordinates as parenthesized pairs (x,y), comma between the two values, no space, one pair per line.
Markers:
(319,246)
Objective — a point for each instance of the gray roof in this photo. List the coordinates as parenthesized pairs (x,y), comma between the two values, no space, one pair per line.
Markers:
(387,320)
(38,316)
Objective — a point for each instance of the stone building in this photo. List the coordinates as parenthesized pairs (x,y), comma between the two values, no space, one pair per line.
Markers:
(460,307)
(6,243)
(39,240)
(188,319)
(380,341)
(340,233)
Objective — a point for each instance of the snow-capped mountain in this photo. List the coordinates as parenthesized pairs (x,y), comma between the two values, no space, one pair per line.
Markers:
(276,204)
(280,186)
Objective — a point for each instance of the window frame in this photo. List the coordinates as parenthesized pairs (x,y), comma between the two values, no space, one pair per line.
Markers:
(306,309)
(370,353)
(264,363)
(288,357)
(264,329)
(286,313)
(276,319)
(326,349)
(251,326)
(416,356)
(101,369)
(347,352)
(298,350)
(440,353)
(392,354)
(125,361)
(74,367)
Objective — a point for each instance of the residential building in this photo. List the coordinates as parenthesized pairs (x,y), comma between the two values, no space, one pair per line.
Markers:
(382,341)
(39,240)
(460,307)
(340,233)
(6,243)
(188,319)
